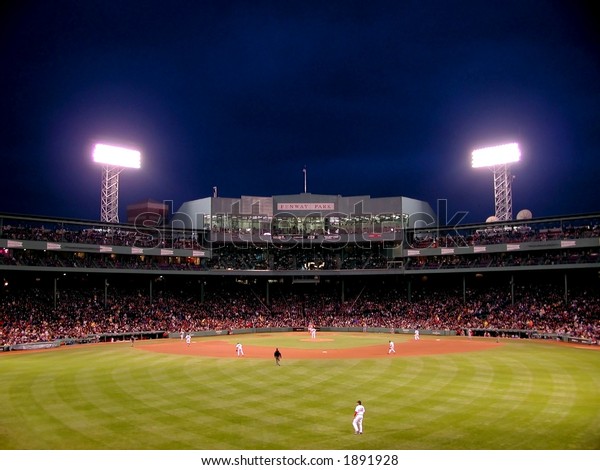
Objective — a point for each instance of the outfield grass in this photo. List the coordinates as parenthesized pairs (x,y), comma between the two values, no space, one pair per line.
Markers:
(524,395)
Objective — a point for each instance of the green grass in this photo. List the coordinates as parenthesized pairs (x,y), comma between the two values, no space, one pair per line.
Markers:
(524,395)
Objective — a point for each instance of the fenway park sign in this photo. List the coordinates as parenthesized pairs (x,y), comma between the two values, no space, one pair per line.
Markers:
(305,206)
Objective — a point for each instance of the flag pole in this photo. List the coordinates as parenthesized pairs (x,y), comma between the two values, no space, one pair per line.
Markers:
(304,178)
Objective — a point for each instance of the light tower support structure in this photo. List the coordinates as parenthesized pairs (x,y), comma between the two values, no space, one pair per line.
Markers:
(499,159)
(503,192)
(114,159)
(109,198)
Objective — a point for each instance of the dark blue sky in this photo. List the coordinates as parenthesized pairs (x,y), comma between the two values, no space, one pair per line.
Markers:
(380,98)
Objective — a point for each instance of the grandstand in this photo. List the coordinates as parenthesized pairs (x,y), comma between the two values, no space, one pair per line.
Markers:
(289,259)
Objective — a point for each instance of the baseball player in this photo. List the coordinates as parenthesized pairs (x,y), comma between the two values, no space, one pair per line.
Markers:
(277,355)
(188,339)
(417,338)
(391,348)
(357,422)
(239,349)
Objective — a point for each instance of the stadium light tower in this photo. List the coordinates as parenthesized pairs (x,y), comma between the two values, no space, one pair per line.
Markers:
(114,160)
(499,159)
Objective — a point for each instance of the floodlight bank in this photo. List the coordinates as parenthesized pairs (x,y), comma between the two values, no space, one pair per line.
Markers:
(499,155)
(117,156)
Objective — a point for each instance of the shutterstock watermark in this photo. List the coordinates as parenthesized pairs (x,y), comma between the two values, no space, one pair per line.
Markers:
(288,230)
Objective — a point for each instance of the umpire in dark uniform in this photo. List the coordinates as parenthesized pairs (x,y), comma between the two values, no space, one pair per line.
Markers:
(277,355)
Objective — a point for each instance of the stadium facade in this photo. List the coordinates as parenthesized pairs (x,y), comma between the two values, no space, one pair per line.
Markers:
(322,217)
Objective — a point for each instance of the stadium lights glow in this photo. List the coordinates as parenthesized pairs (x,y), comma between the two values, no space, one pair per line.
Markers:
(117,156)
(114,160)
(499,155)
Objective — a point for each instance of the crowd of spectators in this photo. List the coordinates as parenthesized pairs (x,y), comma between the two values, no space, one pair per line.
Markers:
(126,236)
(297,259)
(35,315)
(521,233)
(69,260)
(148,237)
(282,257)
(500,260)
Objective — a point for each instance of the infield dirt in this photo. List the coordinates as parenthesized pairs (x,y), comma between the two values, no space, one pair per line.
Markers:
(223,348)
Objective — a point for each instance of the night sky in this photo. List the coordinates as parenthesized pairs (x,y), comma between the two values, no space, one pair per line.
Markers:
(373,98)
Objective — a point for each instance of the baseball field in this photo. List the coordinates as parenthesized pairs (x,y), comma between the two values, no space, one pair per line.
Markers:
(437,393)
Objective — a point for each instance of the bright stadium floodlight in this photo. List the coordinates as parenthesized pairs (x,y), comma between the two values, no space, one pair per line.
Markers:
(498,159)
(114,160)
(117,156)
(499,155)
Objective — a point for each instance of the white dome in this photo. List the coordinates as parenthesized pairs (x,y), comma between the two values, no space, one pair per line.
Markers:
(492,218)
(524,214)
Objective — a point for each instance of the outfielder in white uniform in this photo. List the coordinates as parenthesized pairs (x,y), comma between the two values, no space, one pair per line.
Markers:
(391,349)
(239,349)
(357,422)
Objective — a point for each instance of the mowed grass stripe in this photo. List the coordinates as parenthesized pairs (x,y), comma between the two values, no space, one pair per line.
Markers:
(521,396)
(423,400)
(51,398)
(168,403)
(574,399)
(110,418)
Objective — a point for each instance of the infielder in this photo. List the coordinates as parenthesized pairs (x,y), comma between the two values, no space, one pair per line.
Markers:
(391,348)
(188,339)
(239,349)
(357,422)
(417,335)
